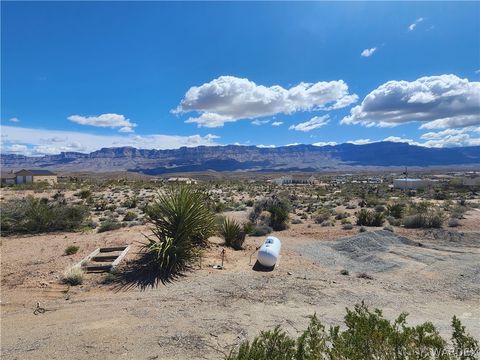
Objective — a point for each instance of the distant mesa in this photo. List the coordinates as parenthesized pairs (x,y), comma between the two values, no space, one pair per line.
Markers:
(301,158)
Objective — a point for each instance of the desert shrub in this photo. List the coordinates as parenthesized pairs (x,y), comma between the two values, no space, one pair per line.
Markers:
(396,210)
(130,216)
(362,229)
(131,203)
(84,193)
(296,221)
(464,345)
(347,227)
(344,272)
(321,215)
(393,221)
(109,225)
(379,208)
(32,215)
(341,215)
(370,218)
(260,230)
(458,211)
(278,207)
(366,334)
(233,233)
(182,221)
(428,219)
(345,221)
(73,276)
(249,203)
(72,249)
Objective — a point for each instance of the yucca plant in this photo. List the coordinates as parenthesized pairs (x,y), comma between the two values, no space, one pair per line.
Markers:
(233,233)
(181,222)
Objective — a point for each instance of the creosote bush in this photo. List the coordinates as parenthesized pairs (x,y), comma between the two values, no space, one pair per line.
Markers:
(33,215)
(370,218)
(367,335)
(277,207)
(109,225)
(72,249)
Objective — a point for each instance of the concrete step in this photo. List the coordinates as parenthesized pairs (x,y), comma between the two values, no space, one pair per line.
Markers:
(103,258)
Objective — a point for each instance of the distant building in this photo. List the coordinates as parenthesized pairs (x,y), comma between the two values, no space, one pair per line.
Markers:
(183,180)
(289,179)
(35,176)
(8,178)
(412,184)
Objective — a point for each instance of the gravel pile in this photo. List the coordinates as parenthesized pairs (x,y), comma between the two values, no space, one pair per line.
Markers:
(368,251)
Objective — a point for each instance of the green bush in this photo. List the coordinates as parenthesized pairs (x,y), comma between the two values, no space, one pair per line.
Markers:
(396,210)
(109,225)
(366,335)
(33,215)
(233,233)
(73,276)
(130,216)
(182,221)
(370,218)
(321,215)
(428,219)
(84,193)
(72,249)
(278,207)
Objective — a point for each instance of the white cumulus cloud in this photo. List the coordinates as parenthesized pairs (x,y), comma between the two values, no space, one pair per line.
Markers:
(14,120)
(443,101)
(229,99)
(313,123)
(28,141)
(277,123)
(105,120)
(368,52)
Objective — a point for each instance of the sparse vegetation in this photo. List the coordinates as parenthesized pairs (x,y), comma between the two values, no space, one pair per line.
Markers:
(367,335)
(367,217)
(109,225)
(72,249)
(73,276)
(33,215)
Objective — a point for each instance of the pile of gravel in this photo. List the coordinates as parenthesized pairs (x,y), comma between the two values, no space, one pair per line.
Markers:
(368,251)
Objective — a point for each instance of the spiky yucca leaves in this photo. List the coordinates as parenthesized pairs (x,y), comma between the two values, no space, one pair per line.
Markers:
(233,233)
(181,223)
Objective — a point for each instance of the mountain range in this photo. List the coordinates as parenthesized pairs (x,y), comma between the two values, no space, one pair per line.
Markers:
(303,158)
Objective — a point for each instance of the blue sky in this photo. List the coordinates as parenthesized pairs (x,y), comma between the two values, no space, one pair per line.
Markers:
(79,76)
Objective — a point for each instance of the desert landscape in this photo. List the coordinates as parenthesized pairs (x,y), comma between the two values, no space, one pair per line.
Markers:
(327,263)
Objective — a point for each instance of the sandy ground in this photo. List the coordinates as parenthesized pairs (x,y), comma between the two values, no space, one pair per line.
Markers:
(206,313)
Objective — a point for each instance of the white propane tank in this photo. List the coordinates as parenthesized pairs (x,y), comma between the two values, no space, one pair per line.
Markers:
(269,251)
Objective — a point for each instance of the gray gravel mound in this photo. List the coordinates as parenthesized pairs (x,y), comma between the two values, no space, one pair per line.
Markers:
(369,251)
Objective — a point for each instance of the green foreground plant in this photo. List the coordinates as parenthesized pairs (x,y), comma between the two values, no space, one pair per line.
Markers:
(233,233)
(181,221)
(368,335)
